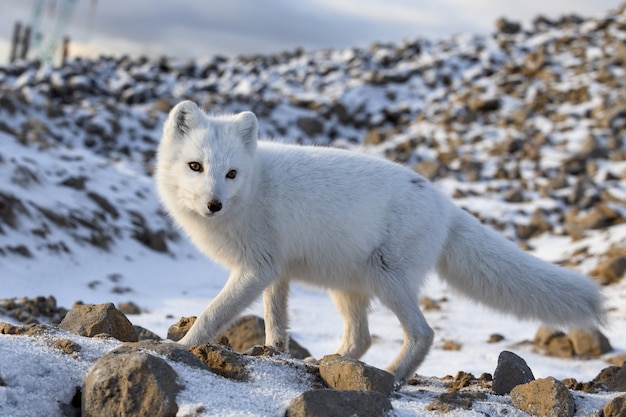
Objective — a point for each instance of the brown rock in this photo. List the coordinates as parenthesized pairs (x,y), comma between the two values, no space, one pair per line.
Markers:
(449,401)
(332,403)
(495,338)
(616,407)
(373,137)
(130,384)
(129,307)
(560,347)
(428,169)
(222,361)
(616,360)
(429,304)
(66,345)
(589,343)
(510,372)
(462,380)
(507,26)
(92,320)
(613,378)
(483,104)
(610,270)
(544,398)
(33,329)
(451,345)
(514,195)
(245,333)
(343,373)
(545,334)
(606,377)
(249,331)
(178,330)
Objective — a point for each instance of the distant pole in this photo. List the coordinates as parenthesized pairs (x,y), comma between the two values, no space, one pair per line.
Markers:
(25,43)
(17,30)
(66,49)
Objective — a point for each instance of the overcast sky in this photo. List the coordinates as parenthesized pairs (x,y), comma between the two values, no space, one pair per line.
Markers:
(196,28)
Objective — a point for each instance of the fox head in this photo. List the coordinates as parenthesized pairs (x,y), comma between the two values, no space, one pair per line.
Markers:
(205,163)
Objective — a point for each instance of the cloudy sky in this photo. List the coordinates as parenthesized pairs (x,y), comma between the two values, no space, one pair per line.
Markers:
(194,28)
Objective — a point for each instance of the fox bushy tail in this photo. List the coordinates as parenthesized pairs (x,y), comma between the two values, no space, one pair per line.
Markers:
(490,269)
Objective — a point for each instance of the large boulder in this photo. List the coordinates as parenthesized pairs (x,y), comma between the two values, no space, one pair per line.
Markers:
(130,383)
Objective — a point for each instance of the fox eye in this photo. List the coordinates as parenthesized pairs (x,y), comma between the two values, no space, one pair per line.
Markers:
(231,174)
(195,166)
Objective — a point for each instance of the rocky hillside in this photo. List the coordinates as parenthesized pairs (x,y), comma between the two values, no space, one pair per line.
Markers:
(524,128)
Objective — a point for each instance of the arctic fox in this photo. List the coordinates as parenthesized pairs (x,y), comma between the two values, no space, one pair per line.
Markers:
(358,225)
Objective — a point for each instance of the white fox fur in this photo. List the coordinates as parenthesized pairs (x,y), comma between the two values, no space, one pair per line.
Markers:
(360,226)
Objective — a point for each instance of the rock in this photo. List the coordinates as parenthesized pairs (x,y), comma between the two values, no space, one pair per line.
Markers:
(538,225)
(178,330)
(171,351)
(373,137)
(129,307)
(483,105)
(249,331)
(451,345)
(613,378)
(342,373)
(449,401)
(606,377)
(616,407)
(507,26)
(495,338)
(91,320)
(32,329)
(610,270)
(462,380)
(544,398)
(66,345)
(545,334)
(130,384)
(514,195)
(332,403)
(145,334)
(510,372)
(222,361)
(560,347)
(429,304)
(616,360)
(589,343)
(32,310)
(310,126)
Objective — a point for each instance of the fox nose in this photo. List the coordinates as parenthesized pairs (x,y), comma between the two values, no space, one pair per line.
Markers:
(214,206)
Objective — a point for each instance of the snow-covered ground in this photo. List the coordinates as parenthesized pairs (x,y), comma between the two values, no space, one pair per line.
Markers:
(80,219)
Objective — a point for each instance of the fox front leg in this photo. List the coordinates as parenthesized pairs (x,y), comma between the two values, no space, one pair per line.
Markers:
(240,291)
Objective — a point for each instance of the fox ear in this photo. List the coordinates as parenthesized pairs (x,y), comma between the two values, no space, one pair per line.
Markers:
(183,118)
(247,127)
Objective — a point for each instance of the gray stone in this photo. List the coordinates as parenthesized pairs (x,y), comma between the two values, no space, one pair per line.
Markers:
(510,372)
(137,384)
(331,403)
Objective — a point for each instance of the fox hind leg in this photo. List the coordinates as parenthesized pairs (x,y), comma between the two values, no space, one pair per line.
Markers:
(353,307)
(418,335)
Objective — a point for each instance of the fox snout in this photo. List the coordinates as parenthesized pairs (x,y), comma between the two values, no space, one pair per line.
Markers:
(214,206)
